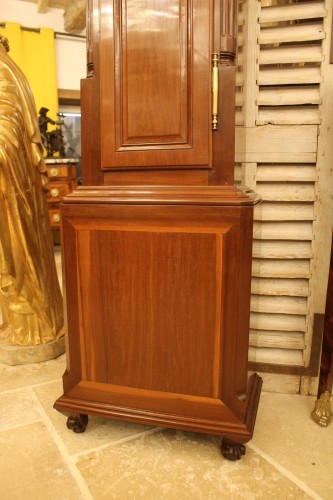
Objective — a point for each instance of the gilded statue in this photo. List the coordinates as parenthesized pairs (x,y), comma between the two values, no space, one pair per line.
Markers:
(30,295)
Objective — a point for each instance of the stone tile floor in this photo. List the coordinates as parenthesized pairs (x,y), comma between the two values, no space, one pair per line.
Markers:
(289,457)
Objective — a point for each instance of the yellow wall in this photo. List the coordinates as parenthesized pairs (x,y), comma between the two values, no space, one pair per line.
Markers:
(34,53)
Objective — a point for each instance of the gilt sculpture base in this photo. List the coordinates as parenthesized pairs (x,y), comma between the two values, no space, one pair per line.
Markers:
(23,355)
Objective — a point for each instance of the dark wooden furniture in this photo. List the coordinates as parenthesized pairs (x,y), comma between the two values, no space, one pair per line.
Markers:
(326,366)
(322,413)
(62,177)
(157,243)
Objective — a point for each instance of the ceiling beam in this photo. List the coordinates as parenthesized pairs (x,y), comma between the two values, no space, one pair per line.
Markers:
(42,6)
(75,16)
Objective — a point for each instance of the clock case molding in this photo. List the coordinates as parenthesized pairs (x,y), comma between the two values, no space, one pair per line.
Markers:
(157,243)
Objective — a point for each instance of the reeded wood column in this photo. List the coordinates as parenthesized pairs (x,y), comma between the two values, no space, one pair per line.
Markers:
(225,44)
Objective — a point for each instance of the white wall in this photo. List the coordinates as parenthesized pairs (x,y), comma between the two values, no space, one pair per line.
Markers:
(70,51)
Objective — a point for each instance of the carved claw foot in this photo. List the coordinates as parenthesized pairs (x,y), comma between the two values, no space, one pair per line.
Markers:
(231,450)
(77,423)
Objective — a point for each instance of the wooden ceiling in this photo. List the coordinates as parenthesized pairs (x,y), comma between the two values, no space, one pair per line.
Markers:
(74,12)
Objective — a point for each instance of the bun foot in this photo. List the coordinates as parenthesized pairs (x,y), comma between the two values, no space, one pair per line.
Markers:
(77,423)
(231,450)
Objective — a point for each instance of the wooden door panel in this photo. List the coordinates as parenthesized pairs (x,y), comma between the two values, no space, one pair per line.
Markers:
(140,334)
(155,102)
(155,84)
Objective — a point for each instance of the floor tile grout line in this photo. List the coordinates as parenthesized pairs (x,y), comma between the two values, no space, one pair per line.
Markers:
(117,442)
(31,386)
(298,482)
(18,426)
(67,458)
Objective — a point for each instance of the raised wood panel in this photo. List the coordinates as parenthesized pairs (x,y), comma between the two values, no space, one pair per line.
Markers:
(133,326)
(155,74)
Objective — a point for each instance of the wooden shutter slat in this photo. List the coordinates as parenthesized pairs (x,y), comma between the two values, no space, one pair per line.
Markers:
(272,143)
(279,304)
(294,33)
(279,286)
(281,268)
(291,54)
(276,356)
(289,340)
(270,211)
(289,96)
(266,249)
(288,116)
(286,192)
(292,12)
(287,173)
(287,76)
(299,231)
(287,322)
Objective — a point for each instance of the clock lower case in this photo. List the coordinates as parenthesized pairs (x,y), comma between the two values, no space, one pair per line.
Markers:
(157,299)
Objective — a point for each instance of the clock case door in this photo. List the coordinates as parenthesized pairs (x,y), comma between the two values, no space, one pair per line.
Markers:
(147,100)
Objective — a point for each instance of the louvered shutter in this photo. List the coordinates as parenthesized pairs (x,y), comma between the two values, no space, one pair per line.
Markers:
(282,50)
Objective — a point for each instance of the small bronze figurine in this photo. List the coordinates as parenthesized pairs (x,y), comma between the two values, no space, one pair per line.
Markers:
(53,141)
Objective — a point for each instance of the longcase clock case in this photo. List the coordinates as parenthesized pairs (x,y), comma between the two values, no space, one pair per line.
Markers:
(156,245)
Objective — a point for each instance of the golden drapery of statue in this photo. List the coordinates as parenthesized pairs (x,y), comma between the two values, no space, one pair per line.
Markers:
(30,295)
